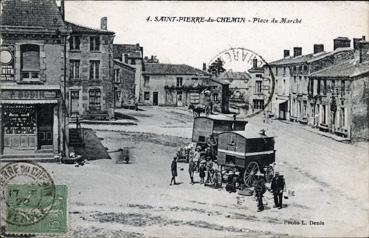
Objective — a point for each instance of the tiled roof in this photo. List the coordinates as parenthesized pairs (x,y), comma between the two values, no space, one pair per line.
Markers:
(133,50)
(234,75)
(292,60)
(87,30)
(349,68)
(318,57)
(31,13)
(123,64)
(172,69)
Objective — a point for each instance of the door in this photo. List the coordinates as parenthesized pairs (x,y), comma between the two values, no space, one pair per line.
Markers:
(45,116)
(74,101)
(179,99)
(155,98)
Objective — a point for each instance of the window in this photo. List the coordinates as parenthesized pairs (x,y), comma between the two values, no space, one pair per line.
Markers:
(146,80)
(324,111)
(257,86)
(294,68)
(194,79)
(258,104)
(318,87)
(324,87)
(284,71)
(305,68)
(300,68)
(304,108)
(179,82)
(147,96)
(74,43)
(215,97)
(276,70)
(133,61)
(116,76)
(333,86)
(342,118)
(30,62)
(94,69)
(95,100)
(259,76)
(74,69)
(94,43)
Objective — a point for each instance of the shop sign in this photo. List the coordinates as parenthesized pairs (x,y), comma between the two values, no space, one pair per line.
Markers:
(28,94)
(7,63)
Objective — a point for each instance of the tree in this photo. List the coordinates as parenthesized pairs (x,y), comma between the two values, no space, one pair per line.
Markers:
(216,67)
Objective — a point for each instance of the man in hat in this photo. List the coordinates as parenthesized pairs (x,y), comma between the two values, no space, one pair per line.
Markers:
(278,184)
(260,189)
(173,168)
(196,156)
(191,169)
(202,172)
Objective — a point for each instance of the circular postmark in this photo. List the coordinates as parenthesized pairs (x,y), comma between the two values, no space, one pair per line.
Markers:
(27,193)
(250,79)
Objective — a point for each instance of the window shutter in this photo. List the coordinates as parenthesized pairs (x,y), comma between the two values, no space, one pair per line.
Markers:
(91,43)
(97,42)
(91,70)
(97,68)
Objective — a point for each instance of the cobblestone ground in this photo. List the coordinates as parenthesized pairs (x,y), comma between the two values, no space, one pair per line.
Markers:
(329,180)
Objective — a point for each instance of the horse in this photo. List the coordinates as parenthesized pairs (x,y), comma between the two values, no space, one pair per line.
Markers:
(197,110)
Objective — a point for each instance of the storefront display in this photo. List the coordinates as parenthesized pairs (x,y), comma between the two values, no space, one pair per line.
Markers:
(19,119)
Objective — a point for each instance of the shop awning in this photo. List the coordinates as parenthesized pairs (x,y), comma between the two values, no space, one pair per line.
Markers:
(37,101)
(280,101)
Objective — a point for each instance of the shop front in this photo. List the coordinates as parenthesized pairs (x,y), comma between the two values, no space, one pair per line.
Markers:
(31,121)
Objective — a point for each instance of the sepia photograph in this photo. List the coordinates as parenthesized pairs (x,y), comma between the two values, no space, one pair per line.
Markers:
(183,119)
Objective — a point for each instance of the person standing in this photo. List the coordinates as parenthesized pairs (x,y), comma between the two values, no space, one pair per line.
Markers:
(260,189)
(278,184)
(191,169)
(197,156)
(202,172)
(173,168)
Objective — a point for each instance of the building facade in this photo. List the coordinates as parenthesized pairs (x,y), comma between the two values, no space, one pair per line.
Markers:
(32,109)
(124,84)
(90,76)
(181,85)
(132,55)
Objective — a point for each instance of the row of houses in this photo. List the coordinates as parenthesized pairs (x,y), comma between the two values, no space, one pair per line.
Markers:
(327,90)
(53,69)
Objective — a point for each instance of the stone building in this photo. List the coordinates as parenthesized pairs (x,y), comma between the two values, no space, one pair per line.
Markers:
(32,79)
(124,84)
(132,55)
(340,93)
(90,62)
(181,85)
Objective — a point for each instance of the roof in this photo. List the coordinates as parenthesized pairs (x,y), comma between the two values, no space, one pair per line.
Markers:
(132,50)
(251,132)
(86,30)
(234,75)
(43,14)
(347,69)
(318,57)
(124,64)
(292,60)
(172,69)
(222,82)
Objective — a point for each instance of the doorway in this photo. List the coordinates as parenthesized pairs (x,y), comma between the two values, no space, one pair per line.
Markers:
(179,99)
(45,120)
(74,101)
(155,97)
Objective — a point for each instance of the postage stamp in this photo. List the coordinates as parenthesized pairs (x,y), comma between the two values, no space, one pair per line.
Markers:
(30,201)
(251,89)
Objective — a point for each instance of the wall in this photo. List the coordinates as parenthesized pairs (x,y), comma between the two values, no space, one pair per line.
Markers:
(126,85)
(84,84)
(359,109)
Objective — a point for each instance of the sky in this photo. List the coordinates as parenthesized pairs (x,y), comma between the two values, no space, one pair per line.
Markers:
(195,43)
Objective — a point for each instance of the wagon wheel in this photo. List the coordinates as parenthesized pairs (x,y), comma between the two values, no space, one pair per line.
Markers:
(269,173)
(250,171)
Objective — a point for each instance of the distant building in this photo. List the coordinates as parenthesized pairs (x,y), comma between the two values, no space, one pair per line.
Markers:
(238,84)
(32,108)
(132,55)
(340,93)
(124,84)
(90,63)
(180,85)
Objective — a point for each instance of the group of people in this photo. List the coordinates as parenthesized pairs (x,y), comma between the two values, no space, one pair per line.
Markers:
(277,187)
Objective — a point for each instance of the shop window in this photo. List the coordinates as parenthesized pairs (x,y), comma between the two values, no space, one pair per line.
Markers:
(74,69)
(116,76)
(179,82)
(94,69)
(30,62)
(95,100)
(19,119)
(94,43)
(74,43)
(147,96)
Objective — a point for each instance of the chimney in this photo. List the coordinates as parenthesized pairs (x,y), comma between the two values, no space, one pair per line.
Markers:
(297,51)
(104,23)
(204,66)
(341,42)
(286,53)
(363,48)
(318,48)
(254,63)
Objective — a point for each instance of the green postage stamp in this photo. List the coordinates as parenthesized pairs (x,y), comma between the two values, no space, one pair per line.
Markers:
(30,202)
(25,203)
